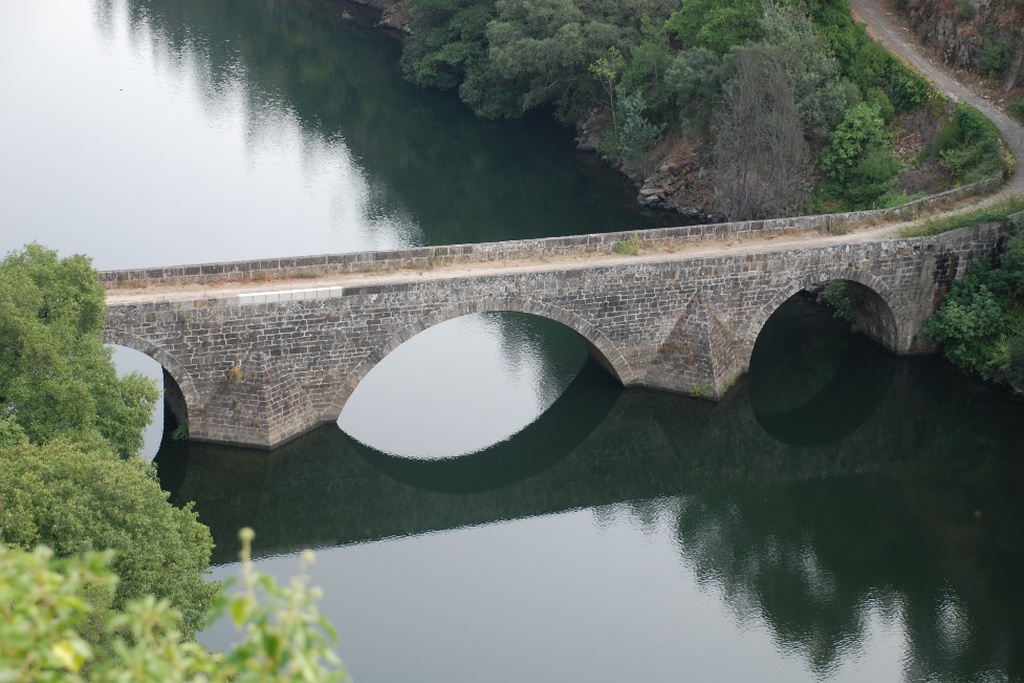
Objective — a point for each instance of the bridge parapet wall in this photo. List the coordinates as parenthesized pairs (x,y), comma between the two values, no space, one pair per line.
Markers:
(420,258)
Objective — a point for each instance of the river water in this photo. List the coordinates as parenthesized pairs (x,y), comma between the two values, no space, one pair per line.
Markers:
(494,507)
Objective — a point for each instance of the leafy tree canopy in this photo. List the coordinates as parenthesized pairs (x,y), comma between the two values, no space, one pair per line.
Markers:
(73,499)
(810,67)
(716,24)
(56,376)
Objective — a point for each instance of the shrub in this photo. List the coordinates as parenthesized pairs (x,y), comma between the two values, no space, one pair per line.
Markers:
(1017,109)
(45,601)
(858,158)
(56,376)
(968,145)
(629,246)
(907,89)
(995,55)
(980,324)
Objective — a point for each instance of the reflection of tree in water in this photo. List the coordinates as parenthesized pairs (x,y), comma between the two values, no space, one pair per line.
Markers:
(817,561)
(429,164)
(283,72)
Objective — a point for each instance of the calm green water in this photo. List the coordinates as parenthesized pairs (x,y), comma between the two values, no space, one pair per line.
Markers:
(496,508)
(857,520)
(152,132)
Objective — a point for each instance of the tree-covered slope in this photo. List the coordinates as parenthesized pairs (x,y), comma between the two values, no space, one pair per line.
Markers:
(788,105)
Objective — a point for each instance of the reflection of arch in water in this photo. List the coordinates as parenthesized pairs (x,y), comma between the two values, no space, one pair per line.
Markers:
(811,381)
(556,433)
(600,348)
(179,390)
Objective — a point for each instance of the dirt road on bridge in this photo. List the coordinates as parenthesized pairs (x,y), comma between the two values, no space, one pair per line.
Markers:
(882,24)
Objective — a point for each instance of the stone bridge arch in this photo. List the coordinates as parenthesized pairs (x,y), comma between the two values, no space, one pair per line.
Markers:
(876,307)
(597,343)
(171,366)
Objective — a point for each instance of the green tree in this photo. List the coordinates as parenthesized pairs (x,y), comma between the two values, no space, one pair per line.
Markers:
(718,25)
(45,601)
(695,81)
(858,159)
(647,68)
(72,499)
(636,135)
(56,376)
(810,67)
(546,48)
(449,46)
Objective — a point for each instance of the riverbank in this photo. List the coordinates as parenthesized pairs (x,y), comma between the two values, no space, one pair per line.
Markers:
(662,146)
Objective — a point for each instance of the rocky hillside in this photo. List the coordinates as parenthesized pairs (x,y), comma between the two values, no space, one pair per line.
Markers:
(983,36)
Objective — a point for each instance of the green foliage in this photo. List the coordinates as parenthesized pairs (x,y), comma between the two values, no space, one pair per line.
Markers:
(629,246)
(545,48)
(73,499)
(968,145)
(967,10)
(1016,108)
(56,376)
(45,602)
(448,41)
(998,212)
(11,433)
(870,65)
(718,25)
(694,81)
(646,71)
(284,636)
(1015,371)
(864,61)
(877,98)
(907,89)
(836,294)
(180,433)
(995,56)
(858,159)
(809,65)
(980,325)
(636,135)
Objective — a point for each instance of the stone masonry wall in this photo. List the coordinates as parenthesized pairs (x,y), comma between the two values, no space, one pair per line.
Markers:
(259,371)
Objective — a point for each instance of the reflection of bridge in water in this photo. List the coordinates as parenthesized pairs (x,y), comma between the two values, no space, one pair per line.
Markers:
(810,539)
(596,446)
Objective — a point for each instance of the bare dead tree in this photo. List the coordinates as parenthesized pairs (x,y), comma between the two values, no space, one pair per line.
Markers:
(762,160)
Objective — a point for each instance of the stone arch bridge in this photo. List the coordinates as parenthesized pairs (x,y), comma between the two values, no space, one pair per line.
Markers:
(257,366)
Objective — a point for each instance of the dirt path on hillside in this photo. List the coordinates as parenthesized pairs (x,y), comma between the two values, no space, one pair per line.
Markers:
(882,24)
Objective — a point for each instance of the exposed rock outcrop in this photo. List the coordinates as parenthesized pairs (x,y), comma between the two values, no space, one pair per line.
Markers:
(984,36)
(394,14)
(675,179)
